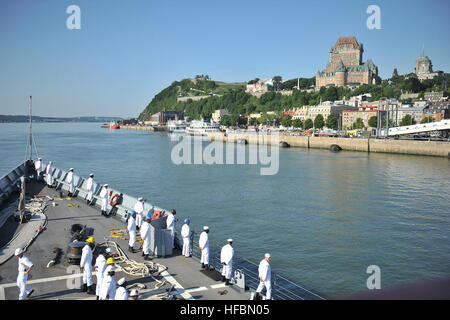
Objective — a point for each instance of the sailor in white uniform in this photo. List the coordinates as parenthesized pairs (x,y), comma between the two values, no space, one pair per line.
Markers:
(25,266)
(38,167)
(186,236)
(104,195)
(49,172)
(108,289)
(121,291)
(265,276)
(203,244)
(131,229)
(86,266)
(100,266)
(69,180)
(170,222)
(145,236)
(226,259)
(139,208)
(134,294)
(90,189)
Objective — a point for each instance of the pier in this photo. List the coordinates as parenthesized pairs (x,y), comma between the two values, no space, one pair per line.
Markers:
(409,147)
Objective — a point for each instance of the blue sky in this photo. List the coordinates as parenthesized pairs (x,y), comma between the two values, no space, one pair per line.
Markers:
(127,51)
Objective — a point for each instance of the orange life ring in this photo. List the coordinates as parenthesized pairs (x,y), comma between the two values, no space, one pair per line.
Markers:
(114,200)
(156,214)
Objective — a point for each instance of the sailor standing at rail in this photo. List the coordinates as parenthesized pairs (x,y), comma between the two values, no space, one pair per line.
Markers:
(186,236)
(121,291)
(90,189)
(69,180)
(25,266)
(139,208)
(100,266)
(49,172)
(131,229)
(104,195)
(86,266)
(38,167)
(226,259)
(171,225)
(108,290)
(265,276)
(203,244)
(145,235)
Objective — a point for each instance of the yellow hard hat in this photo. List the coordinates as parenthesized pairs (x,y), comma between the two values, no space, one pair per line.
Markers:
(110,261)
(90,240)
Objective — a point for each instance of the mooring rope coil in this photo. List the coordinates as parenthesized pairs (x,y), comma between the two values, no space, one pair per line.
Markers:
(141,269)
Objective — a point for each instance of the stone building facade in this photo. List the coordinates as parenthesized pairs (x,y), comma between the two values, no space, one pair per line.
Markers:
(424,69)
(346,68)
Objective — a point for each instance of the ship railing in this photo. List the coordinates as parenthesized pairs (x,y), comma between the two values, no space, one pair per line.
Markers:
(8,182)
(282,288)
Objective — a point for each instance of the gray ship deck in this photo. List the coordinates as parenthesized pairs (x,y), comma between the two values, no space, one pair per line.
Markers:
(52,283)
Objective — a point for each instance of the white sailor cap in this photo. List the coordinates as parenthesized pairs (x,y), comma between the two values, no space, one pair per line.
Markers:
(105,185)
(108,250)
(39,158)
(134,293)
(18,251)
(205,228)
(140,199)
(91,174)
(121,281)
(71,169)
(229,240)
(267,255)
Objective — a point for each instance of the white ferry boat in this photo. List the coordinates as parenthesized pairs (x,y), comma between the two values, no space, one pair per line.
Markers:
(202,128)
(177,126)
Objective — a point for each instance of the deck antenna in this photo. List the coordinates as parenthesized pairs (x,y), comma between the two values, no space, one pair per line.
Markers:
(31,133)
(31,141)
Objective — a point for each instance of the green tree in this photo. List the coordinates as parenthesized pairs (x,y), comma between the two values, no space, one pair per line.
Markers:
(252,121)
(225,121)
(308,124)
(297,123)
(358,124)
(332,122)
(330,94)
(373,121)
(427,120)
(286,121)
(318,122)
(407,120)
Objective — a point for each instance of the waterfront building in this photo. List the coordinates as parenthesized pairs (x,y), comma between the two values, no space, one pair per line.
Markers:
(437,110)
(415,112)
(162,117)
(350,116)
(288,112)
(255,115)
(301,113)
(346,68)
(433,96)
(218,114)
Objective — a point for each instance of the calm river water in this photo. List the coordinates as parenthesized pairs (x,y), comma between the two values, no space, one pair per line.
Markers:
(324,217)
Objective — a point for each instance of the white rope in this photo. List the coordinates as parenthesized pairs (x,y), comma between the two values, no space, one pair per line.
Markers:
(141,269)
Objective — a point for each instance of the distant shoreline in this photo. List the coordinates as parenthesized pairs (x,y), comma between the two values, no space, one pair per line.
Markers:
(26,119)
